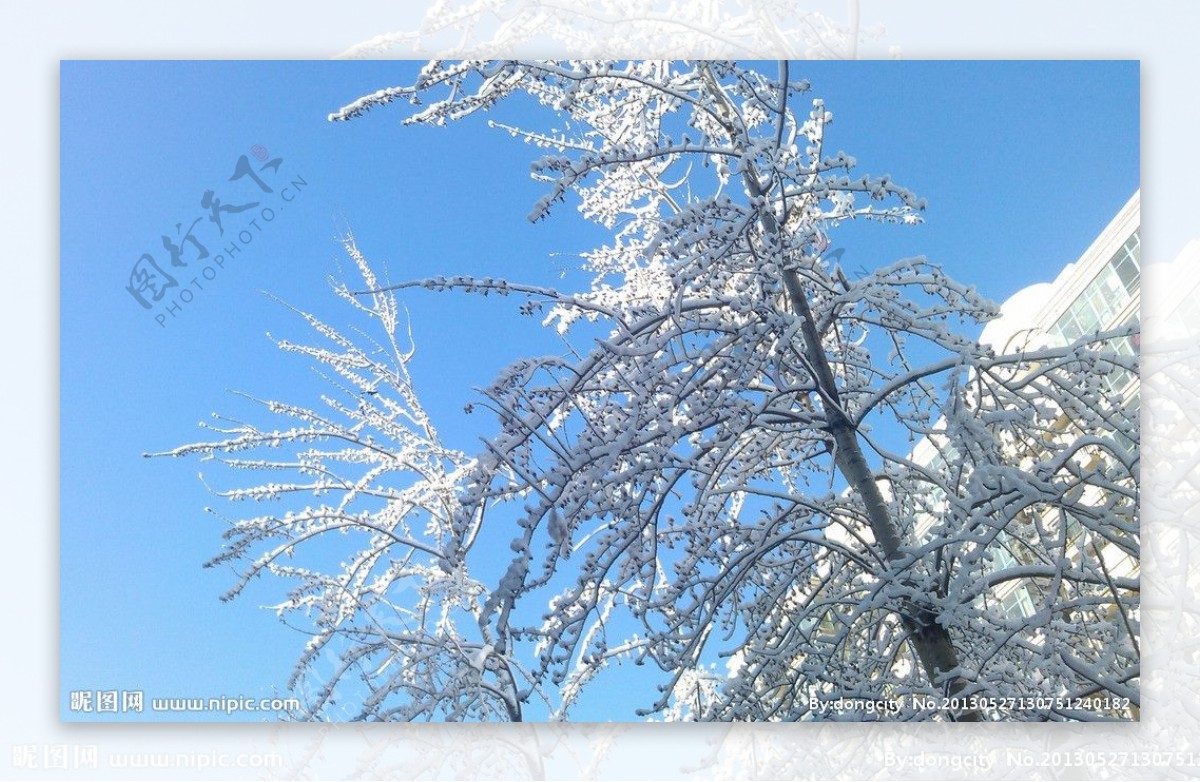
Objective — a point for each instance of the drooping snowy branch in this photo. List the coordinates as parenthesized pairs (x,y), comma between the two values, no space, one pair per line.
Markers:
(377,560)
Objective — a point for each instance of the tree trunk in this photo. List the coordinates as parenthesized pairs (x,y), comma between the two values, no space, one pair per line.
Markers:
(931,640)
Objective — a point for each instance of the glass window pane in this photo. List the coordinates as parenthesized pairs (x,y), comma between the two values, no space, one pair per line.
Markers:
(1128,272)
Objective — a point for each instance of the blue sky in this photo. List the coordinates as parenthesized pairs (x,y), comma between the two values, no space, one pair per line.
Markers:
(1021,163)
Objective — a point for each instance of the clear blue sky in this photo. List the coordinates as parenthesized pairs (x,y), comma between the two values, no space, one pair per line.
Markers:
(1021,163)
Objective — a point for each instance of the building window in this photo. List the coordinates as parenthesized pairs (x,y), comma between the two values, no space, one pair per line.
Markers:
(1105,296)
(1127,263)
(1017,604)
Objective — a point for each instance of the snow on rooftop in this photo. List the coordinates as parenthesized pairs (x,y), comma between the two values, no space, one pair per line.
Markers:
(1017,314)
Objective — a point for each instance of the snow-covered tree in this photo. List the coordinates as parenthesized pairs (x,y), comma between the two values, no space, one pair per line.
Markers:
(717,478)
(714,28)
